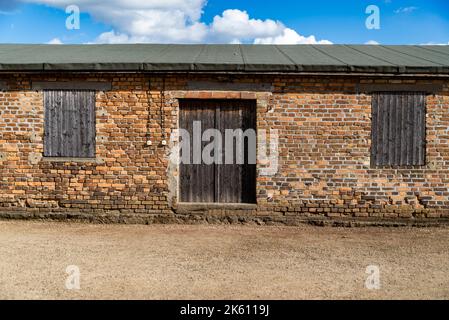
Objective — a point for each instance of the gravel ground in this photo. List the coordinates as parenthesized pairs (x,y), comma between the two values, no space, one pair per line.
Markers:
(220,262)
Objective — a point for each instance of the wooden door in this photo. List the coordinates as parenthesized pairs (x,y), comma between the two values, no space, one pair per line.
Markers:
(222,181)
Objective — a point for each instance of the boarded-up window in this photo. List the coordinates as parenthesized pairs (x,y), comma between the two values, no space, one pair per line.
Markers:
(398,129)
(69,123)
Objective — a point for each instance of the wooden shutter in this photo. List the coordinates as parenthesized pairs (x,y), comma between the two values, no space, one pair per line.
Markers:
(220,183)
(398,129)
(69,123)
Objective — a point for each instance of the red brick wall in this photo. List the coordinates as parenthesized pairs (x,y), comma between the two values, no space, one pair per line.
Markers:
(325,155)
(324,148)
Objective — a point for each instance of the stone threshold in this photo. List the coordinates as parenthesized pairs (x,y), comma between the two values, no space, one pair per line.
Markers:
(192,207)
(265,220)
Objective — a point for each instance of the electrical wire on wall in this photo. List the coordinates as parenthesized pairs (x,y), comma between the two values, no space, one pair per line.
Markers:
(162,118)
(150,100)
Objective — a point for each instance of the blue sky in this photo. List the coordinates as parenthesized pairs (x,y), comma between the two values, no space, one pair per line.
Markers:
(200,21)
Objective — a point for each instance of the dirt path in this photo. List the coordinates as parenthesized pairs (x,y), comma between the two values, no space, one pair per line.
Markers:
(220,262)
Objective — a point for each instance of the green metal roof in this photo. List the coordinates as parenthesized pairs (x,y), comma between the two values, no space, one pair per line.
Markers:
(232,58)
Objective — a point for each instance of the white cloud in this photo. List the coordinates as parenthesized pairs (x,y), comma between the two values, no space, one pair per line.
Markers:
(290,36)
(406,10)
(236,24)
(372,42)
(111,37)
(435,44)
(55,41)
(178,21)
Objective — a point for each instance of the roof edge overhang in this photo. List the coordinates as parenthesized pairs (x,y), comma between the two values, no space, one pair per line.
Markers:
(226,72)
(381,60)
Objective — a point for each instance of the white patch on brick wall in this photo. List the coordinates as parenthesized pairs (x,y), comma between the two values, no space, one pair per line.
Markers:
(34,158)
(3,156)
(35,137)
(172,169)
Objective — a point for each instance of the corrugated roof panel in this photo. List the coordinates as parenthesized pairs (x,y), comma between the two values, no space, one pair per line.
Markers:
(351,56)
(307,58)
(440,49)
(421,52)
(266,58)
(406,63)
(357,60)
(174,58)
(220,57)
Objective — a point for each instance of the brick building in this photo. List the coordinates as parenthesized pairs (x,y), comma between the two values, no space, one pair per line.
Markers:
(88,132)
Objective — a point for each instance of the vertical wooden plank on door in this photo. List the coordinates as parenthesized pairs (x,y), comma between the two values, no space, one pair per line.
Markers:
(238,180)
(249,175)
(221,180)
(206,172)
(230,174)
(220,158)
(197,180)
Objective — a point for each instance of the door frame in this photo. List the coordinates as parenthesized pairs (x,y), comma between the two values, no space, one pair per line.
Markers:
(262,96)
